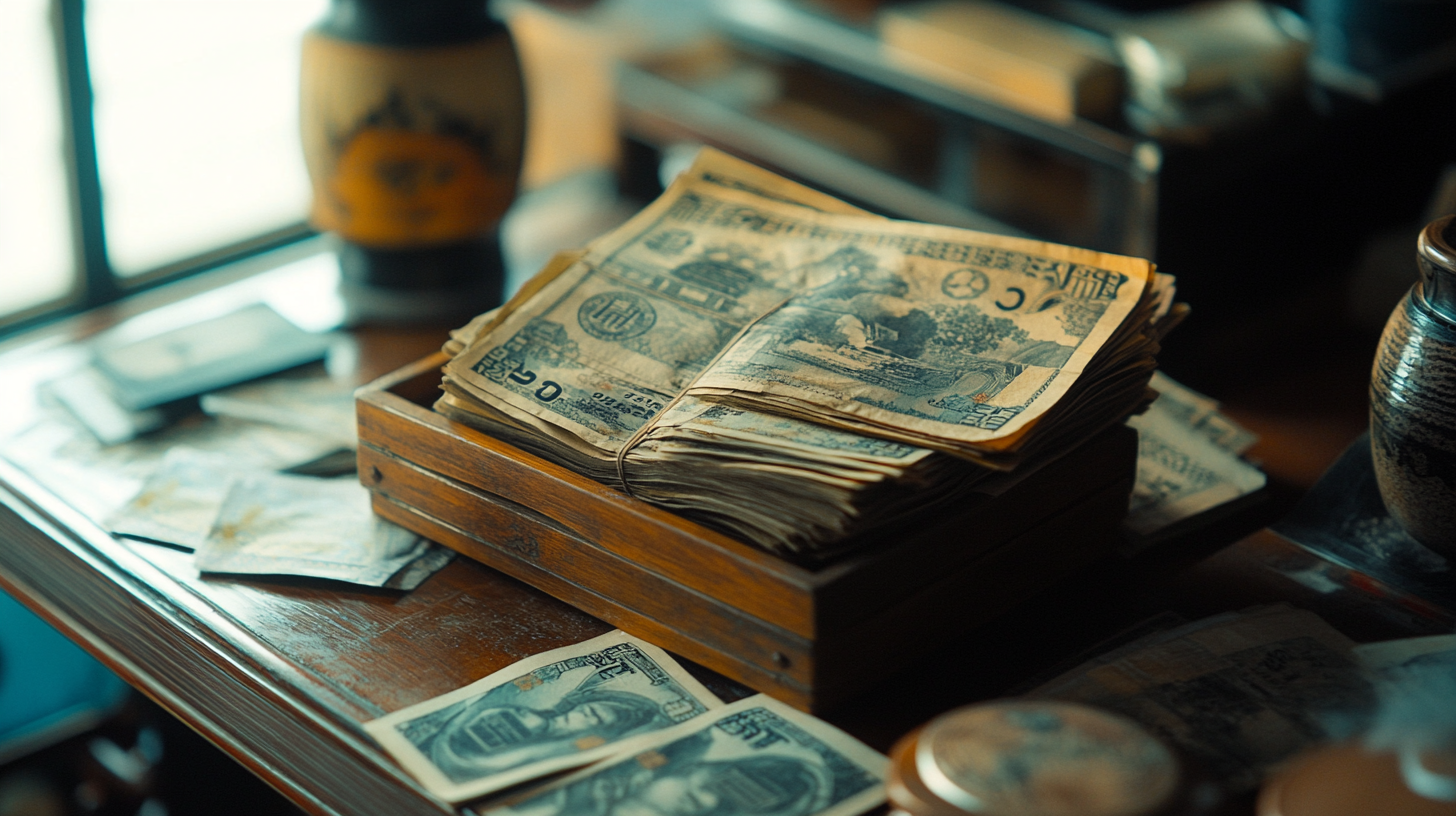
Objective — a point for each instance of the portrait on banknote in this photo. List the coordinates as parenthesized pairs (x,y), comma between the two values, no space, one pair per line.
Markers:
(555,711)
(489,733)
(754,757)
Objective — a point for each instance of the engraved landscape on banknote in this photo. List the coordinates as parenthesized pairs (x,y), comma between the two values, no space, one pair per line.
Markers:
(756,756)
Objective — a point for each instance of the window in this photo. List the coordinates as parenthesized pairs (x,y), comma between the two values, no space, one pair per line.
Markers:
(37,253)
(141,140)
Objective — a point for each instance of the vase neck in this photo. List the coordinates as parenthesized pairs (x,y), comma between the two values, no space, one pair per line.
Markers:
(1436,255)
(408,23)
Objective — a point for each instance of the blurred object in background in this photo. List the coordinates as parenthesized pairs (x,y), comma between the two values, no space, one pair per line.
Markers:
(819,100)
(1011,757)
(567,66)
(569,50)
(1412,390)
(36,248)
(1403,761)
(1195,71)
(1019,59)
(413,121)
(1370,49)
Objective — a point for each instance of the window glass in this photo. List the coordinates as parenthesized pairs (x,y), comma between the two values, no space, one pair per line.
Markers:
(196,107)
(37,255)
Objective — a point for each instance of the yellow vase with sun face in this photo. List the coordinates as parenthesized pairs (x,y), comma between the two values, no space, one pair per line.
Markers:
(413,128)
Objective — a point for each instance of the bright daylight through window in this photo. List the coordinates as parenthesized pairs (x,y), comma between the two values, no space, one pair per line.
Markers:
(37,256)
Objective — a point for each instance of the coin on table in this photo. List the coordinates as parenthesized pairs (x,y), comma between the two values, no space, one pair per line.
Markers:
(1033,758)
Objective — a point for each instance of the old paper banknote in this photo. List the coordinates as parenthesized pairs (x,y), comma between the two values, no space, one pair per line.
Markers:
(554,711)
(756,756)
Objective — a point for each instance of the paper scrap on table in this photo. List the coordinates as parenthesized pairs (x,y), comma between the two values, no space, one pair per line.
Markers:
(98,479)
(180,500)
(1240,692)
(316,404)
(297,525)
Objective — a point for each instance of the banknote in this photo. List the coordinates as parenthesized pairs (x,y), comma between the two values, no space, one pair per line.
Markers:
(599,346)
(557,710)
(881,319)
(927,333)
(811,484)
(765,359)
(1201,413)
(756,756)
(273,524)
(179,502)
(1239,692)
(1182,472)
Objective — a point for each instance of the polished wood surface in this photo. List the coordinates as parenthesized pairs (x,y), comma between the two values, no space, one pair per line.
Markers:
(280,673)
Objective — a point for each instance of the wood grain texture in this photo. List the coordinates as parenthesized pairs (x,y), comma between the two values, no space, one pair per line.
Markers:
(284,726)
(511,537)
(756,618)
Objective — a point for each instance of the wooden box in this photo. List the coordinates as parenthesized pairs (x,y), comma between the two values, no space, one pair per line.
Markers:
(810,637)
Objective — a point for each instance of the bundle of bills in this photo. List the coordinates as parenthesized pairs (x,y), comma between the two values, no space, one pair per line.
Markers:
(776,363)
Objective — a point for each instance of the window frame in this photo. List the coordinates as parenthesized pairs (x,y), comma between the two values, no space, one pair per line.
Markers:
(95,283)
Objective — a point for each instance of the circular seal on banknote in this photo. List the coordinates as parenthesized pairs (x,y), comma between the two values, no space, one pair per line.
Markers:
(965,284)
(616,315)
(1034,758)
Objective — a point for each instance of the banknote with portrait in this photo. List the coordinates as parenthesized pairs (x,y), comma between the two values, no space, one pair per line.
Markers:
(555,711)
(756,756)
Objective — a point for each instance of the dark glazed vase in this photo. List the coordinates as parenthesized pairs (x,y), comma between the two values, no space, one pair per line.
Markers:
(1413,398)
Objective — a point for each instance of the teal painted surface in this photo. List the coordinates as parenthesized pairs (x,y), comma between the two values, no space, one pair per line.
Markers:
(49,687)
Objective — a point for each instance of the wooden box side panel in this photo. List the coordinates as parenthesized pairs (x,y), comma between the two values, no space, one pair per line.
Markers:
(944,612)
(508,536)
(864,585)
(664,634)
(758,583)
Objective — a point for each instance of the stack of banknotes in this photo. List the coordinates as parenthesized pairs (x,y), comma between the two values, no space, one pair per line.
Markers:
(652,738)
(778,364)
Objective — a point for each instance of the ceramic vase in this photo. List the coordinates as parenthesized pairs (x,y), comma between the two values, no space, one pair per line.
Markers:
(413,125)
(1413,398)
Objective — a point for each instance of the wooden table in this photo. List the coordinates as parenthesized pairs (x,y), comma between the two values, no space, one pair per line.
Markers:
(280,673)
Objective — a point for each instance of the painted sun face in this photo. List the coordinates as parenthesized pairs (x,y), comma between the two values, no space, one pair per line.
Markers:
(396,187)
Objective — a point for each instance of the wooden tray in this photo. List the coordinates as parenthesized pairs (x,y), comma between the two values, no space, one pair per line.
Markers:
(811,637)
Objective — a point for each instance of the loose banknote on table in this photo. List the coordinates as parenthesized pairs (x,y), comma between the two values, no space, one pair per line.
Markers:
(1239,692)
(756,756)
(557,710)
(744,336)
(274,524)
(1188,458)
